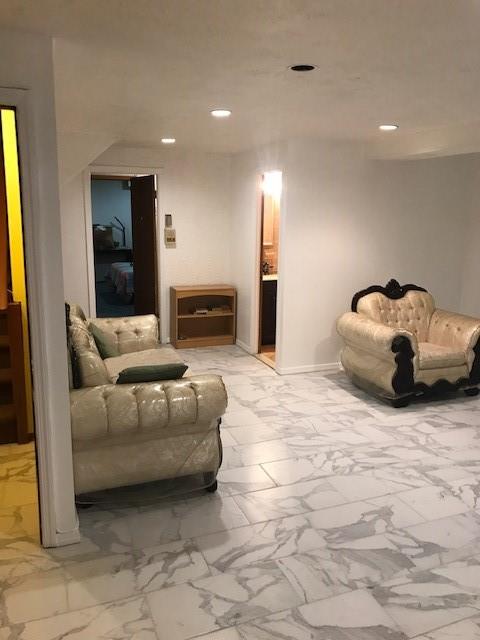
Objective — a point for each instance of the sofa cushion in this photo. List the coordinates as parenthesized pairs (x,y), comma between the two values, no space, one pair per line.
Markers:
(411,312)
(152,373)
(160,355)
(105,342)
(434,356)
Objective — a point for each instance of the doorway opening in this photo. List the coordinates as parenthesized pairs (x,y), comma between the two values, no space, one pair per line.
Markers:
(268,255)
(19,505)
(124,244)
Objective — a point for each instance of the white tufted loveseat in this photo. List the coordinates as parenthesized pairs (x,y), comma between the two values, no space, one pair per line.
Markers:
(398,345)
(124,434)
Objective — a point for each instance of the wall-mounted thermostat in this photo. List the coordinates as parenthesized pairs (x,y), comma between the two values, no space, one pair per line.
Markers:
(170,237)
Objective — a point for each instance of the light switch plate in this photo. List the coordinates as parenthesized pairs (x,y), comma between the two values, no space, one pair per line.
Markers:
(170,237)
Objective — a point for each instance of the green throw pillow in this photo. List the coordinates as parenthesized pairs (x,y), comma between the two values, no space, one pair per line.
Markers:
(150,373)
(105,347)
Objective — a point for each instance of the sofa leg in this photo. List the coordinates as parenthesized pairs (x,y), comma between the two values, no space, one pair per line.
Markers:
(210,481)
(212,488)
(473,391)
(398,403)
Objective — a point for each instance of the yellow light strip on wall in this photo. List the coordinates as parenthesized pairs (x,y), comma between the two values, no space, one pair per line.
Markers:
(15,233)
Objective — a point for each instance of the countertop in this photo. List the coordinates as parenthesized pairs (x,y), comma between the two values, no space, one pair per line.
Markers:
(269,276)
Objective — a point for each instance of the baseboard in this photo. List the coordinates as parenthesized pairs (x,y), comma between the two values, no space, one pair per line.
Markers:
(64,538)
(328,367)
(244,346)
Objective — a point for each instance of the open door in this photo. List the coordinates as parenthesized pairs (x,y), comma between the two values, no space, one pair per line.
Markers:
(142,193)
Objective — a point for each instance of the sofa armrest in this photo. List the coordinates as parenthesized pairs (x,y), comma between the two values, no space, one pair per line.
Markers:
(132,333)
(372,336)
(116,410)
(455,330)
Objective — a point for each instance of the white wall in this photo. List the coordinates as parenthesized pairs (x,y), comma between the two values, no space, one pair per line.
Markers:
(74,246)
(470,302)
(26,62)
(348,222)
(356,222)
(195,188)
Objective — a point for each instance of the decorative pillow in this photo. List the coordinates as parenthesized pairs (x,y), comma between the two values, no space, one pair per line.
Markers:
(151,373)
(105,346)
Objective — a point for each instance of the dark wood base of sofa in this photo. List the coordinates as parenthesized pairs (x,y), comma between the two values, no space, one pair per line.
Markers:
(421,391)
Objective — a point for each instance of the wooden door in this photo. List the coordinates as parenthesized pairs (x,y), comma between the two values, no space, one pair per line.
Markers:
(142,191)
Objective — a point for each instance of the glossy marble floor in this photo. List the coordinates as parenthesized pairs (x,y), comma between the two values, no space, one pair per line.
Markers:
(337,518)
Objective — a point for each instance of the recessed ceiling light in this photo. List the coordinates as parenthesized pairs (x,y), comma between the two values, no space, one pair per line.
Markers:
(221,113)
(388,127)
(168,140)
(302,67)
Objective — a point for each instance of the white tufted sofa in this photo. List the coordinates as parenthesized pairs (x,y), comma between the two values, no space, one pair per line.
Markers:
(398,345)
(133,433)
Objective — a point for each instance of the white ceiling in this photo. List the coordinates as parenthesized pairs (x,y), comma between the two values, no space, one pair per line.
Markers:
(137,70)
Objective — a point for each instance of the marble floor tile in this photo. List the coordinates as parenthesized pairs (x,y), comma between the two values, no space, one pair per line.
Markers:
(361,519)
(242,418)
(185,519)
(251,434)
(437,542)
(39,595)
(432,599)
(220,601)
(256,453)
(259,542)
(294,470)
(288,500)
(434,502)
(20,521)
(464,630)
(362,487)
(168,565)
(361,563)
(350,616)
(467,489)
(124,620)
(242,480)
(372,533)
(98,581)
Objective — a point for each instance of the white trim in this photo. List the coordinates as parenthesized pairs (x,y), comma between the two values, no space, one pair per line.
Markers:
(87,207)
(328,367)
(255,333)
(133,171)
(280,333)
(245,347)
(57,503)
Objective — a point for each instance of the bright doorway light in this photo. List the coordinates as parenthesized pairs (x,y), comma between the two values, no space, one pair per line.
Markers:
(388,127)
(272,183)
(168,140)
(221,113)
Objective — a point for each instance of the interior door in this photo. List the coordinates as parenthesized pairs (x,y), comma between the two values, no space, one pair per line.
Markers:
(142,192)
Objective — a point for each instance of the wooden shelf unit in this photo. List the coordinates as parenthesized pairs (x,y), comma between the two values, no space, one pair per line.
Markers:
(189,329)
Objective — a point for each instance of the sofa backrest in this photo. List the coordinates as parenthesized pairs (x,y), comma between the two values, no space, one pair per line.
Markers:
(136,333)
(412,312)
